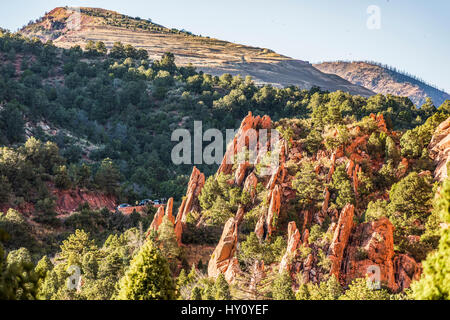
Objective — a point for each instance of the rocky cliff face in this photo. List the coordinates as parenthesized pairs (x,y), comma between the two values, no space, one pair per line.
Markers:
(440,150)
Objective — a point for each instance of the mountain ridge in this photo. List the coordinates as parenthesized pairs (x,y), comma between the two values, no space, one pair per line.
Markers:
(210,55)
(385,80)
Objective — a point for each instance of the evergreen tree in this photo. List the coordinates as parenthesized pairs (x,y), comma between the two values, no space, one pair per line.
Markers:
(62,179)
(148,277)
(282,287)
(222,288)
(434,283)
(168,242)
(342,186)
(108,177)
(359,290)
(196,293)
(308,186)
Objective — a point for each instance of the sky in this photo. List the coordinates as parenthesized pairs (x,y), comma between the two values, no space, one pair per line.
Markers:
(413,36)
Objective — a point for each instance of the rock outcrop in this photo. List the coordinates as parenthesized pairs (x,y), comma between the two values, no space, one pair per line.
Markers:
(250,185)
(294,241)
(223,259)
(244,139)
(169,208)
(406,270)
(355,249)
(340,239)
(190,202)
(241,172)
(439,148)
(372,244)
(68,201)
(160,214)
(157,219)
(274,209)
(195,185)
(267,221)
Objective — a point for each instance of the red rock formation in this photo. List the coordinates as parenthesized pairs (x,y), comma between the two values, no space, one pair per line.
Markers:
(278,174)
(179,232)
(169,209)
(340,239)
(223,259)
(403,167)
(159,216)
(353,149)
(190,202)
(265,225)
(157,219)
(326,200)
(274,209)
(195,185)
(69,201)
(307,217)
(372,245)
(259,228)
(349,168)
(241,140)
(250,184)
(292,246)
(332,168)
(241,172)
(439,148)
(355,180)
(305,238)
(406,270)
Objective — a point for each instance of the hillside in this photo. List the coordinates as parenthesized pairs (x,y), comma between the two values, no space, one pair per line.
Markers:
(358,184)
(212,56)
(381,79)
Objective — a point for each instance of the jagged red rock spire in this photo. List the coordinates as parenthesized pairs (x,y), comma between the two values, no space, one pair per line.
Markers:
(195,185)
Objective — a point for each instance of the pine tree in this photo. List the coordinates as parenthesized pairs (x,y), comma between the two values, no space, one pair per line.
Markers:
(359,290)
(168,242)
(222,288)
(342,185)
(435,281)
(282,287)
(62,179)
(196,293)
(148,277)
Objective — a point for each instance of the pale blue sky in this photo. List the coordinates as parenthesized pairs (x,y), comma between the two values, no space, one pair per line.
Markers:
(414,35)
